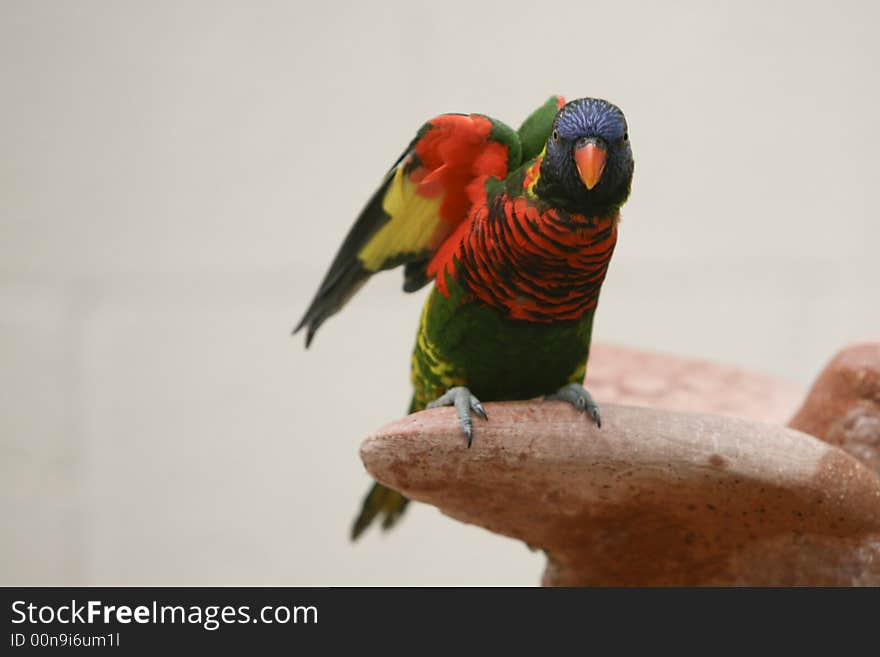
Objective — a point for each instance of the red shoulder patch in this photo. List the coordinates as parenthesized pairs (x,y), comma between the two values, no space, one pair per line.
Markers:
(457,152)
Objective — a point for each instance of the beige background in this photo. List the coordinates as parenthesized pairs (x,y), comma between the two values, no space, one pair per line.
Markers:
(175,177)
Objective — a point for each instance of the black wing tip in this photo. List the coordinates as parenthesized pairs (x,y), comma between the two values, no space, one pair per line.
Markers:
(310,332)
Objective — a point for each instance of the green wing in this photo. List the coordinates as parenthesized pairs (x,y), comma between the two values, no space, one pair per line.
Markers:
(421,201)
(535,130)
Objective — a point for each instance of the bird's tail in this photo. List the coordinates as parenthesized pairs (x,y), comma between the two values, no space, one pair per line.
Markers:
(379,501)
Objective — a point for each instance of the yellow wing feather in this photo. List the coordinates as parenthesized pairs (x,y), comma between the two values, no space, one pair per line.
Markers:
(412,227)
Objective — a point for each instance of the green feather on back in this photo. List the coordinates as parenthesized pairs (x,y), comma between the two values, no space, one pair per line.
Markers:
(535,130)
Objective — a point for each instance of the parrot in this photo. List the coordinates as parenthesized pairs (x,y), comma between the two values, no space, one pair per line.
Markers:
(515,230)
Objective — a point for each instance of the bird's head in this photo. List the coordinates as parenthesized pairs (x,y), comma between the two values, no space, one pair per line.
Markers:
(588,163)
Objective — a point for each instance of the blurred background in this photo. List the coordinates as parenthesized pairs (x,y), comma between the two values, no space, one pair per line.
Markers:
(176,176)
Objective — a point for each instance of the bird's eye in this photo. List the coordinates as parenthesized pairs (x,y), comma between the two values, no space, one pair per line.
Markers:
(625,136)
(556,136)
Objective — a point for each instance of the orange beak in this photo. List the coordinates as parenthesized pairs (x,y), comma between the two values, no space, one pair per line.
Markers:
(590,160)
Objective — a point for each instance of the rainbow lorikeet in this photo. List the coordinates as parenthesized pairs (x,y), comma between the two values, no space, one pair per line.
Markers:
(516,230)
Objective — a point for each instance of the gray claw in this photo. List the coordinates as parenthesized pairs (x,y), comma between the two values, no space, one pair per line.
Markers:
(464,403)
(477,408)
(576,395)
(596,417)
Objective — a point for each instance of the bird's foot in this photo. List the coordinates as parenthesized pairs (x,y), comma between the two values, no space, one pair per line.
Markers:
(464,403)
(576,395)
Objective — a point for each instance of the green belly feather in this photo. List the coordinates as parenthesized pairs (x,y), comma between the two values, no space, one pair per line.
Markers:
(461,342)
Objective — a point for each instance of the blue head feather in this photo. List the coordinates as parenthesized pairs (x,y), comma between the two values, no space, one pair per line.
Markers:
(560,184)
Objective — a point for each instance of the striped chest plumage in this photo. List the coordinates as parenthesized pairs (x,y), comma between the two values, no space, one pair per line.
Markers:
(528,260)
(536,265)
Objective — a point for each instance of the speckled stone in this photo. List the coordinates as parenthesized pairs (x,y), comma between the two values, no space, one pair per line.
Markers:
(654,497)
(623,375)
(843,406)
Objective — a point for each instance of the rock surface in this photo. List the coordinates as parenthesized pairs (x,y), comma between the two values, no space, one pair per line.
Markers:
(843,406)
(654,497)
(623,375)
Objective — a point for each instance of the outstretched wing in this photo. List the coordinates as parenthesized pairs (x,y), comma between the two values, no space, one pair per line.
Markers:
(426,194)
